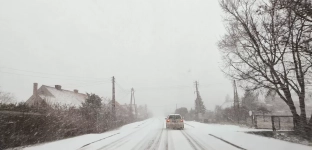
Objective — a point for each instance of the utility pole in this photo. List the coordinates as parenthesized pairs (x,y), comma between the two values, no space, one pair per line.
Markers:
(196,86)
(130,109)
(236,102)
(146,115)
(113,100)
(135,107)
(198,98)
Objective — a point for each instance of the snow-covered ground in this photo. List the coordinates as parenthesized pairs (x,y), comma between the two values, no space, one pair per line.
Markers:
(151,134)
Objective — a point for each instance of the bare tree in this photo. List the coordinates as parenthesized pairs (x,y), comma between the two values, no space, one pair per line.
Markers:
(6,97)
(302,8)
(264,49)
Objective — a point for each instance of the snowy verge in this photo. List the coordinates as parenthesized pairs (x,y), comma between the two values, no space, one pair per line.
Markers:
(236,135)
(289,136)
(80,141)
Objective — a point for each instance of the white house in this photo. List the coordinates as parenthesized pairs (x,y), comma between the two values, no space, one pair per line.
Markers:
(55,95)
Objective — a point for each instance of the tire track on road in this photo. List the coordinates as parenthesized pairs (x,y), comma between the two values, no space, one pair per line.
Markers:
(195,142)
(123,140)
(200,141)
(150,139)
(189,141)
(170,141)
(157,140)
(166,140)
(99,140)
(81,148)
(122,143)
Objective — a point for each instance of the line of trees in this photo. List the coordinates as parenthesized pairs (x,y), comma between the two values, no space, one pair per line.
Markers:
(268,46)
(191,115)
(21,124)
(248,102)
(6,97)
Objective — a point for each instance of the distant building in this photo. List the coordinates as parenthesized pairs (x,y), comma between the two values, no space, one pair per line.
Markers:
(55,96)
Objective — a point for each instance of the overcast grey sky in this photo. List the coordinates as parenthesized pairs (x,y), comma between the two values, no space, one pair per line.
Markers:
(158,47)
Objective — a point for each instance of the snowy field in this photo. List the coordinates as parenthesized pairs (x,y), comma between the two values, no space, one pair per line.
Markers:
(151,134)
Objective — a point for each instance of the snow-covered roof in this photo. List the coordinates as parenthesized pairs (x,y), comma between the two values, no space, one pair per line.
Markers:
(60,96)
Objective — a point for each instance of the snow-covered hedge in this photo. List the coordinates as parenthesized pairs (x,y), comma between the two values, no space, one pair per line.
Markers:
(21,126)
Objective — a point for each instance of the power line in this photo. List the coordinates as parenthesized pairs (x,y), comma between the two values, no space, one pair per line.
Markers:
(119,86)
(98,83)
(51,73)
(167,88)
(162,88)
(124,96)
(42,76)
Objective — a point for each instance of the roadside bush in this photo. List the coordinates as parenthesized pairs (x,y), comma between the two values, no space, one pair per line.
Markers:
(21,125)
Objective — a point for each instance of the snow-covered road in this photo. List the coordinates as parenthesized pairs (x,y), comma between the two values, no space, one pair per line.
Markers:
(151,134)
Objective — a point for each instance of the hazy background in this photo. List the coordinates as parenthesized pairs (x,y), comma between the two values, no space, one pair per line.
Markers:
(158,47)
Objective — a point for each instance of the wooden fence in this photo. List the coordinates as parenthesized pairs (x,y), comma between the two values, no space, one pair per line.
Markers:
(274,122)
